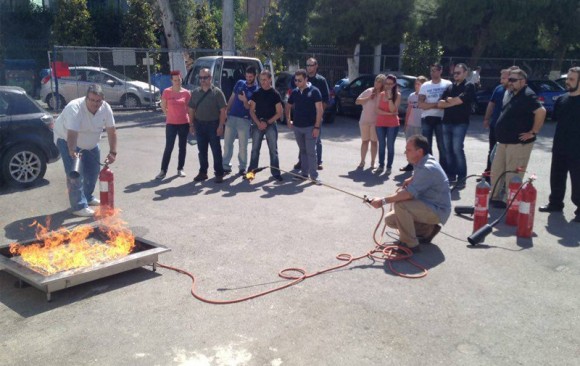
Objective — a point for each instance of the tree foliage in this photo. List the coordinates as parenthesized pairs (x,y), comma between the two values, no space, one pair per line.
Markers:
(419,54)
(183,14)
(138,26)
(240,21)
(205,29)
(107,22)
(73,25)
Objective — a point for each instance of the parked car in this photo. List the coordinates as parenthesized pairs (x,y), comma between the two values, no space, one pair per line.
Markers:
(225,70)
(346,98)
(118,88)
(340,84)
(284,85)
(26,138)
(562,80)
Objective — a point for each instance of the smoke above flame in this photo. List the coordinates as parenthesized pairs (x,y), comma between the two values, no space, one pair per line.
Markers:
(65,249)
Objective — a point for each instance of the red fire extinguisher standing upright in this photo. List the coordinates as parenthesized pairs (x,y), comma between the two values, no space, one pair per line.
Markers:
(107,188)
(527,209)
(481,205)
(513,210)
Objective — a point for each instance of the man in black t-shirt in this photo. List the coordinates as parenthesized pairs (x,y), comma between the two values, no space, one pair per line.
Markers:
(566,148)
(265,110)
(520,121)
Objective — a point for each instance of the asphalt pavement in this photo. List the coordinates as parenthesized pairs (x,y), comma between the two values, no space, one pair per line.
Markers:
(509,301)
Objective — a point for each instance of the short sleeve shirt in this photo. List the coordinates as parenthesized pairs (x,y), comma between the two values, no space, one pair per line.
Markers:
(238,109)
(369,108)
(432,93)
(209,108)
(497,99)
(320,83)
(517,117)
(266,101)
(304,103)
(76,117)
(176,106)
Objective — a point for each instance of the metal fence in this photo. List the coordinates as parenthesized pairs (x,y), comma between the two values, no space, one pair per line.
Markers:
(152,66)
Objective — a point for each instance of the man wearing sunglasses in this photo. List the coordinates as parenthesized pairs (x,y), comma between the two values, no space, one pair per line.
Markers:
(521,119)
(566,148)
(306,101)
(207,117)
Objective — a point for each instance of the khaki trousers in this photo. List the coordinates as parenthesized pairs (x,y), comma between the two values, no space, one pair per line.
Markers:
(508,157)
(411,218)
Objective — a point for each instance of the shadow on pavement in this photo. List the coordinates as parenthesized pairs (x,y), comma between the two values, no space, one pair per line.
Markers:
(568,232)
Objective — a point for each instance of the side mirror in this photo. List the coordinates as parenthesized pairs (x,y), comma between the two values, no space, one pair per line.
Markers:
(110,83)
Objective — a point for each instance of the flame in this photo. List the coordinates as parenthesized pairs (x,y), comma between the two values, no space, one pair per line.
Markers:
(65,249)
(250,176)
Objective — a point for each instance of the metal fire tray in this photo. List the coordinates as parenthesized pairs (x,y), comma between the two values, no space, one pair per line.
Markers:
(144,253)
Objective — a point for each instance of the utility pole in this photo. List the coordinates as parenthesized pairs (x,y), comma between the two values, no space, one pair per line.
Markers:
(228,44)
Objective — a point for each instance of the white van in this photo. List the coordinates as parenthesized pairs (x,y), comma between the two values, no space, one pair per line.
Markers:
(225,70)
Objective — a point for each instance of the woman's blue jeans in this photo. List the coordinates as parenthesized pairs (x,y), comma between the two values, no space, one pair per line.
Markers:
(387,137)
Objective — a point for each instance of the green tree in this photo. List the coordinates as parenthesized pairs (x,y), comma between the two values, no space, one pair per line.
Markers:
(183,14)
(72,25)
(107,22)
(205,29)
(419,54)
(138,26)
(240,21)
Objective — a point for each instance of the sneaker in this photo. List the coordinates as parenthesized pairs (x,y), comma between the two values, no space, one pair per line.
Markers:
(278,178)
(550,207)
(388,171)
(161,175)
(219,178)
(227,171)
(380,169)
(84,212)
(200,177)
(415,249)
(181,173)
(299,178)
(297,166)
(428,239)
(320,167)
(95,202)
(317,181)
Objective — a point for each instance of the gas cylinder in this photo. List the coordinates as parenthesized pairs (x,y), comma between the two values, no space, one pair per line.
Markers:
(512,214)
(526,211)
(481,204)
(107,188)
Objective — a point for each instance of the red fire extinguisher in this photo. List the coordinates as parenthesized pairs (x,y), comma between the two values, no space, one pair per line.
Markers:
(526,212)
(513,211)
(107,188)
(481,204)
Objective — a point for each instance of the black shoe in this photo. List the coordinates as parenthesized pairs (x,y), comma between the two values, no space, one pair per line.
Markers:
(320,167)
(299,178)
(227,171)
(200,177)
(415,249)
(429,239)
(497,204)
(219,179)
(278,178)
(550,207)
(297,166)
(241,172)
(408,168)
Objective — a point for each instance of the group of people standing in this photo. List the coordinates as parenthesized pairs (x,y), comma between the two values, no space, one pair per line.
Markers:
(253,110)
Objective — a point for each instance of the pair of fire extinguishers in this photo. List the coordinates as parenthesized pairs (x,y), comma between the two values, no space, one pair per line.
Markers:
(519,212)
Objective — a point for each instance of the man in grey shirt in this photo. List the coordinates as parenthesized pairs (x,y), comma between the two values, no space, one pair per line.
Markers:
(425,200)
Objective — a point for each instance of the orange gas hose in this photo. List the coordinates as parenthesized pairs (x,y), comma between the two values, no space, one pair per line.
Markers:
(388,253)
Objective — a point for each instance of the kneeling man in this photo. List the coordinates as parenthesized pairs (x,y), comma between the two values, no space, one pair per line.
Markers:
(424,201)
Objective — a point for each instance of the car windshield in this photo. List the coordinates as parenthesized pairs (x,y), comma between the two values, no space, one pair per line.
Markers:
(118,75)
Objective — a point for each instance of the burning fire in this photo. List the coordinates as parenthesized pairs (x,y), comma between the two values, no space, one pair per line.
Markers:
(65,249)
(250,176)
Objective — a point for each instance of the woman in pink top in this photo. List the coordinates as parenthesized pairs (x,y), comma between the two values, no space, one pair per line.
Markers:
(174,101)
(388,122)
(368,120)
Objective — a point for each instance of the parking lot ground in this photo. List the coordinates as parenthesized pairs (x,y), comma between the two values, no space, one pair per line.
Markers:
(508,302)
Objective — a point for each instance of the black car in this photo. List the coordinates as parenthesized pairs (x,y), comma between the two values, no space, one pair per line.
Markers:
(346,98)
(26,138)
(285,83)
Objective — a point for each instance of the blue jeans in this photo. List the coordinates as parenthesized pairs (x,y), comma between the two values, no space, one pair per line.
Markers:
(271,133)
(207,135)
(318,149)
(80,190)
(240,127)
(390,135)
(430,125)
(453,136)
(171,132)
(307,147)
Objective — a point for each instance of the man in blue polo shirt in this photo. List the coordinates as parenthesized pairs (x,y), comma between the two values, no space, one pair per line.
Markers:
(239,121)
(306,101)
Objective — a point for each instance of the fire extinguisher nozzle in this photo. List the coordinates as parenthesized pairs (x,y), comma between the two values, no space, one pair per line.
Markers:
(479,236)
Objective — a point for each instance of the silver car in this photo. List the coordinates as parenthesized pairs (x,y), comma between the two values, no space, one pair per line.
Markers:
(118,88)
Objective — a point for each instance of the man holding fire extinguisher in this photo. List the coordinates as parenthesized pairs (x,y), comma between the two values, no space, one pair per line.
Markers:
(425,200)
(77,132)
(566,148)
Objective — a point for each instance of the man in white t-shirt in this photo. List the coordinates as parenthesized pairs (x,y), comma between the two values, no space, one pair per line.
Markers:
(431,117)
(77,132)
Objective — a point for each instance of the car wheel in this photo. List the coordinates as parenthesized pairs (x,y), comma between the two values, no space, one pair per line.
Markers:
(130,101)
(23,165)
(51,101)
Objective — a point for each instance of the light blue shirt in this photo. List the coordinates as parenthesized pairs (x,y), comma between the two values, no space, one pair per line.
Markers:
(431,186)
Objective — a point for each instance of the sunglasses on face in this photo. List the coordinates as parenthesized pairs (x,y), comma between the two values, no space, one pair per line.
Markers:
(513,80)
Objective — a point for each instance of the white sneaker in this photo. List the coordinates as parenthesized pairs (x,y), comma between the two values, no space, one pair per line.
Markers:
(318,182)
(161,175)
(95,202)
(85,212)
(181,173)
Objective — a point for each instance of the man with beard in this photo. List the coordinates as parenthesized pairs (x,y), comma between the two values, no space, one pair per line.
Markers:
(566,147)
